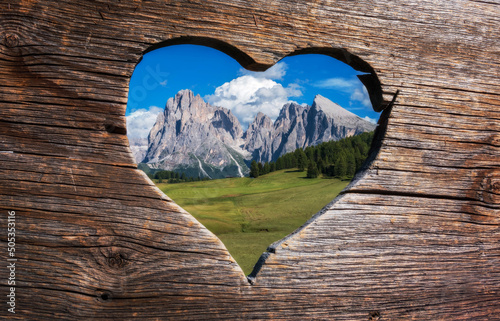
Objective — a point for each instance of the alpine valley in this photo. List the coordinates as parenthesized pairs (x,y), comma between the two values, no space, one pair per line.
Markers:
(198,139)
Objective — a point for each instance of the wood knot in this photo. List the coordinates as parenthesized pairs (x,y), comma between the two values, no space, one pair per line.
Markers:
(486,198)
(494,140)
(374,316)
(117,260)
(489,189)
(11,40)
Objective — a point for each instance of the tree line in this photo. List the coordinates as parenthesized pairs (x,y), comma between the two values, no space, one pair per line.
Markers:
(339,159)
(174,177)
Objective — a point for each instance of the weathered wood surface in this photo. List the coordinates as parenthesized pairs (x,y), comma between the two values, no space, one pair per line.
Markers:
(415,237)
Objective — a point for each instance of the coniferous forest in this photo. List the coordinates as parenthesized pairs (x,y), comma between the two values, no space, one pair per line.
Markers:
(339,159)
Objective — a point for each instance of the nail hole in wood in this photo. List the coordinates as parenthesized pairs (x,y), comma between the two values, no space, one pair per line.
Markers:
(104,296)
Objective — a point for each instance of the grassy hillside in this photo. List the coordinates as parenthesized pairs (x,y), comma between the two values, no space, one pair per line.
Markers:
(249,214)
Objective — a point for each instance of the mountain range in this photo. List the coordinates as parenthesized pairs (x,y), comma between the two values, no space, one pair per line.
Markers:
(199,139)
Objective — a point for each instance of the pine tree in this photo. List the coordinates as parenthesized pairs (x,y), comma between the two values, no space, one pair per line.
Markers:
(254,169)
(261,168)
(330,171)
(279,163)
(293,160)
(312,170)
(340,167)
(267,168)
(317,154)
(359,159)
(301,157)
(320,163)
(310,152)
(351,164)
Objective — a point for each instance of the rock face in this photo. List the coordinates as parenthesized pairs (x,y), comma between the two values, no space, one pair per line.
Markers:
(199,139)
(299,127)
(259,135)
(139,147)
(329,121)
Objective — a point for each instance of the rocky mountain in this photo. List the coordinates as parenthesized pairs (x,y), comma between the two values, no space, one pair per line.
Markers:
(200,139)
(139,147)
(299,127)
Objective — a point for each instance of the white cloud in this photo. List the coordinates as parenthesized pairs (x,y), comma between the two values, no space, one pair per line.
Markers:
(342,84)
(358,92)
(371,120)
(140,122)
(276,72)
(249,94)
(361,95)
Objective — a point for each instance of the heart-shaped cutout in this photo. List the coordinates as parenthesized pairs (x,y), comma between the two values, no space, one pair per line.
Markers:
(201,150)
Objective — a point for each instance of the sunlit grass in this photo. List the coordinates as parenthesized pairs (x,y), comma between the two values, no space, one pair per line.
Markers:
(249,214)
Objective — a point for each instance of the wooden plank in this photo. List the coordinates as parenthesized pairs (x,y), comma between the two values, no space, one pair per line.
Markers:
(414,237)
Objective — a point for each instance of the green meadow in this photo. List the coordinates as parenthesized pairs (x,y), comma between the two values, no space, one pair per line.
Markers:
(248,214)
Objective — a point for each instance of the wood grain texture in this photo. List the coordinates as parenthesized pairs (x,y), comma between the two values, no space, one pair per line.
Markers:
(416,236)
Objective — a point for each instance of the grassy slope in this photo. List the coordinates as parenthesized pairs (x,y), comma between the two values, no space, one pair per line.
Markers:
(250,214)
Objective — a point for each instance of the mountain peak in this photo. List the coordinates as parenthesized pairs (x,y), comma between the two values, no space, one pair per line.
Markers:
(184,95)
(260,115)
(184,92)
(330,108)
(197,138)
(262,119)
(183,99)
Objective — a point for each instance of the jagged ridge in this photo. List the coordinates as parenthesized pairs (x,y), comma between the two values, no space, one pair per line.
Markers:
(301,126)
(196,137)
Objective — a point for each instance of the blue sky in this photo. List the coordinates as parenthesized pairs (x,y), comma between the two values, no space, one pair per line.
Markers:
(221,81)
